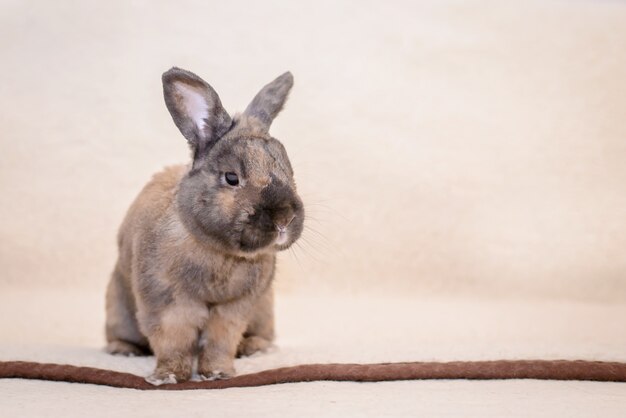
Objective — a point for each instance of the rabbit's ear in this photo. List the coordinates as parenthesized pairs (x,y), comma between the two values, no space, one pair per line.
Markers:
(196,109)
(270,100)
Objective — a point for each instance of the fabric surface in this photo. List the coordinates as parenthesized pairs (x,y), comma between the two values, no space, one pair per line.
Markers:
(461,163)
(364,329)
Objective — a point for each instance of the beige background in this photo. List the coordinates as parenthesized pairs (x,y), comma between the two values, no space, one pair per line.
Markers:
(439,146)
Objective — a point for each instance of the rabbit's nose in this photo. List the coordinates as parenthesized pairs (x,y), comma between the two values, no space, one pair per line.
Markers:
(281,225)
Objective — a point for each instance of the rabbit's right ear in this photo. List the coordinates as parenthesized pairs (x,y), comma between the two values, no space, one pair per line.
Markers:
(196,109)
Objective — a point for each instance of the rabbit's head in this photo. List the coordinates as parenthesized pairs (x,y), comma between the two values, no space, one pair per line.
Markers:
(239,195)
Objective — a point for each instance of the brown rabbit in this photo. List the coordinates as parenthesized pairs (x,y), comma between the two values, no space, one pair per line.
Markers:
(197,248)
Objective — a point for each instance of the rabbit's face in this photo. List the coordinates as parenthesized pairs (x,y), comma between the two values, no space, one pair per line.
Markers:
(243,197)
(240,193)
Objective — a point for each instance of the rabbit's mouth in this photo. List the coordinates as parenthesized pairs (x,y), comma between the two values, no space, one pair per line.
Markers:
(282,237)
(255,238)
(264,240)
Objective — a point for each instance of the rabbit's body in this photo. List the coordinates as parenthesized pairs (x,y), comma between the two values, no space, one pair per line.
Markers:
(196,253)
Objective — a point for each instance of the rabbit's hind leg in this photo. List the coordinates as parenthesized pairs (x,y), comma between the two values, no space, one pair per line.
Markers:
(260,331)
(122,330)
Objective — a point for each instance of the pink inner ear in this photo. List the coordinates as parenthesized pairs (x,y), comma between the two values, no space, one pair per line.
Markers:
(195,104)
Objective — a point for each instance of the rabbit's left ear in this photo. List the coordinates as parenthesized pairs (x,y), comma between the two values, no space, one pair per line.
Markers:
(196,109)
(270,100)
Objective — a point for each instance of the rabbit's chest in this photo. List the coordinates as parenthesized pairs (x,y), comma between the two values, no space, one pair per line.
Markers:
(218,281)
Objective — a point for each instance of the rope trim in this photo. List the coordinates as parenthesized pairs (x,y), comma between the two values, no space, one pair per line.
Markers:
(481,370)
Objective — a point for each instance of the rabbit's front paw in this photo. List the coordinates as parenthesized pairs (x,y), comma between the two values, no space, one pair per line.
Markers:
(215,370)
(158,379)
(171,371)
(215,375)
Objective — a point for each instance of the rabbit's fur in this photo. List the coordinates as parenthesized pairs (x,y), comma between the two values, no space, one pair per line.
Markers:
(196,253)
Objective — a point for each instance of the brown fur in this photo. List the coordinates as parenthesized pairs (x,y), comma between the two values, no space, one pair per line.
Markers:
(197,256)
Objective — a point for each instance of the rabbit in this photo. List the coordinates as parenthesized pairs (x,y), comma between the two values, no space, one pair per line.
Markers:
(197,248)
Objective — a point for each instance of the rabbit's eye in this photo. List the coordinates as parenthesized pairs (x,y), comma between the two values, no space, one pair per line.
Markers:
(232,178)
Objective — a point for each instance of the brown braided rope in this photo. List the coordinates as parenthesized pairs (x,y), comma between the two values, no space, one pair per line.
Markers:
(484,370)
